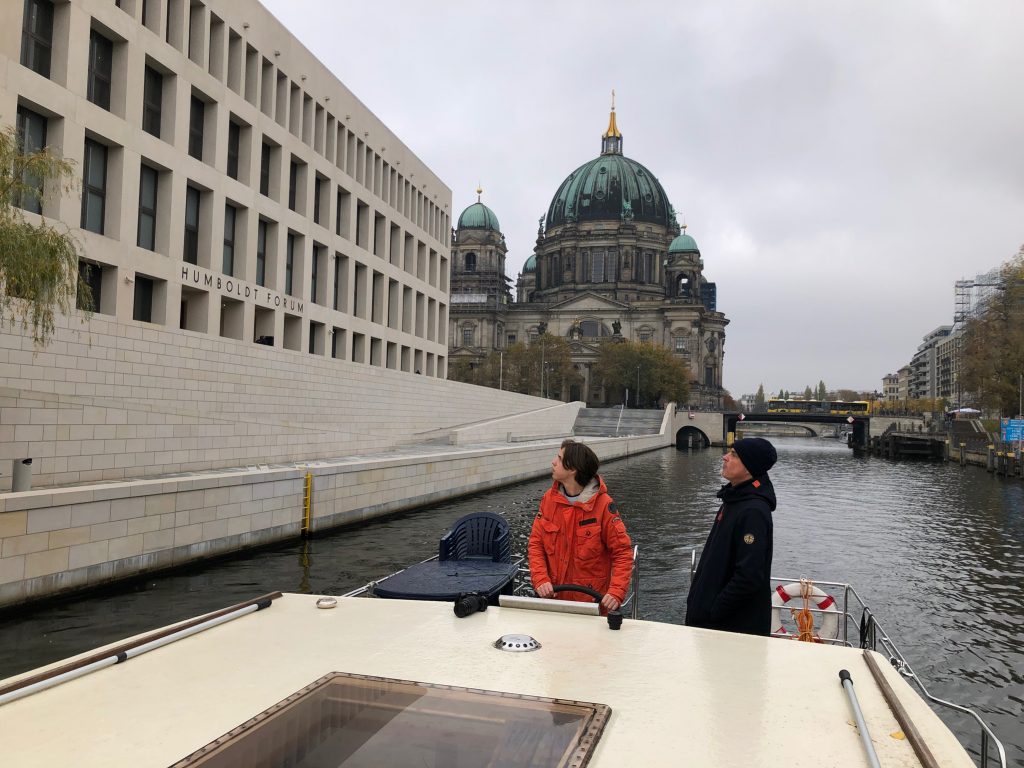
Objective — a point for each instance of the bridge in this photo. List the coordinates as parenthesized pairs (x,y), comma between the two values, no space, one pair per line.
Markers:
(701,429)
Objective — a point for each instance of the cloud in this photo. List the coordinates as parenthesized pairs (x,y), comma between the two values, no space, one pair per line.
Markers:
(839,166)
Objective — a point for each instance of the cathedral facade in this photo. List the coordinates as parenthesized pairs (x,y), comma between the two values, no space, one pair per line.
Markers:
(610,263)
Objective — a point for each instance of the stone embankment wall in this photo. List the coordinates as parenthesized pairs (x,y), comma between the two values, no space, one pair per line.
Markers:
(62,539)
(113,400)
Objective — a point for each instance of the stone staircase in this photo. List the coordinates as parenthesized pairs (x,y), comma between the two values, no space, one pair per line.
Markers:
(605,422)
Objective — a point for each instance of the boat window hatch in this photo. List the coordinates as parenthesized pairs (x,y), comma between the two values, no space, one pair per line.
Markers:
(357,720)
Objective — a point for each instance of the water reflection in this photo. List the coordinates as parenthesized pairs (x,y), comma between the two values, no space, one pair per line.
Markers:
(936,549)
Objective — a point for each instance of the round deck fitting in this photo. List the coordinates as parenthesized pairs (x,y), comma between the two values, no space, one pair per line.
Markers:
(516,643)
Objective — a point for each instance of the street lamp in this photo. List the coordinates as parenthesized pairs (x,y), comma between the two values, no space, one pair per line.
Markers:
(638,386)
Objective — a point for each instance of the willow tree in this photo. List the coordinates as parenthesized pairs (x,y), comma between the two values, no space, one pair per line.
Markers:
(38,258)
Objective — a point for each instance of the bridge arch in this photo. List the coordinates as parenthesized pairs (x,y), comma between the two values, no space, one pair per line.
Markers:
(688,438)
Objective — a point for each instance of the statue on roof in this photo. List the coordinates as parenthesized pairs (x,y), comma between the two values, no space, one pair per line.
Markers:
(627,210)
(540,225)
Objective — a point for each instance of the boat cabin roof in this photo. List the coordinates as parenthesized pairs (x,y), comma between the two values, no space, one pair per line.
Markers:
(721,698)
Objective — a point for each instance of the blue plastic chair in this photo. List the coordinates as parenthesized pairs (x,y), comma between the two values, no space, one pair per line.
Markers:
(477,536)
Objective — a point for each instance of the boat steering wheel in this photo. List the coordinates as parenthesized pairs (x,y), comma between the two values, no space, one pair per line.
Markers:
(578,588)
(614,617)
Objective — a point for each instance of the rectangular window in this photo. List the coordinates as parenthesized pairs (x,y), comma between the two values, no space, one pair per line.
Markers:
(317,185)
(313,274)
(611,267)
(143,307)
(31,139)
(90,275)
(511,339)
(234,137)
(152,101)
(597,267)
(680,343)
(191,250)
(289,266)
(230,214)
(265,170)
(37,36)
(94,186)
(147,208)
(293,183)
(261,253)
(467,337)
(101,58)
(196,122)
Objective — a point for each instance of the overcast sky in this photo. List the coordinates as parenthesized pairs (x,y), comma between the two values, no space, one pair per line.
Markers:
(840,165)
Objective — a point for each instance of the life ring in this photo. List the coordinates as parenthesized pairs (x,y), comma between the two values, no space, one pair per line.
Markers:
(821,600)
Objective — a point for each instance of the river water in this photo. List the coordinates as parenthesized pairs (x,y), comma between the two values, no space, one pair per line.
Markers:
(937,551)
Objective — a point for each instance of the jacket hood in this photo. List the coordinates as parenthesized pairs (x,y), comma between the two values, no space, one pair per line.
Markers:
(757,487)
(590,490)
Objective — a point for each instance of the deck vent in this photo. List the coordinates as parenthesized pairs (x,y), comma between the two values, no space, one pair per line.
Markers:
(516,643)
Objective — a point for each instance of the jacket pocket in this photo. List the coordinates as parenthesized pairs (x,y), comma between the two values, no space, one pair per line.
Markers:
(589,544)
(549,536)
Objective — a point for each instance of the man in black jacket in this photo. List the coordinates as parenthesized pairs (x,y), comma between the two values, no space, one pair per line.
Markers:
(731,589)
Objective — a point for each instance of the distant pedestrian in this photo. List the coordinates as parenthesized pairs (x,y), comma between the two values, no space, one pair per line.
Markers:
(731,589)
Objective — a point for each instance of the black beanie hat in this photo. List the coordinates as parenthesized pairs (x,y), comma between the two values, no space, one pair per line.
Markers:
(756,453)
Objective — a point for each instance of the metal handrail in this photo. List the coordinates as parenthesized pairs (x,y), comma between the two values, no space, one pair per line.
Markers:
(872,635)
(617,423)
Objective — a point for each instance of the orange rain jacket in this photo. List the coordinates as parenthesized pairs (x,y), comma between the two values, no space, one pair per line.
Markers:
(583,543)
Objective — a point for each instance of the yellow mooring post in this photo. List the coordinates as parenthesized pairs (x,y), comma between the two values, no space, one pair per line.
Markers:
(307,504)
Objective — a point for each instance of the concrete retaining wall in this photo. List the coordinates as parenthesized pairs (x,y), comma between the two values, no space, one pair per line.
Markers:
(550,422)
(112,400)
(57,540)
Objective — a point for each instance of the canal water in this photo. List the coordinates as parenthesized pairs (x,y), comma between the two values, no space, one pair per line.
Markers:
(937,551)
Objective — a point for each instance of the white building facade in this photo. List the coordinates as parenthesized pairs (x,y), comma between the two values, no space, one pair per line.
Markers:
(232,186)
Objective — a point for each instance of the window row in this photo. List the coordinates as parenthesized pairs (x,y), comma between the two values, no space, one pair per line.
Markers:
(98,285)
(382,238)
(200,34)
(206,312)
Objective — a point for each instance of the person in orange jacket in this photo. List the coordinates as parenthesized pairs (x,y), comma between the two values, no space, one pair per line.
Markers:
(578,536)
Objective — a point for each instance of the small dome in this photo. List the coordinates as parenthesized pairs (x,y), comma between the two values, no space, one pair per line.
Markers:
(684,244)
(530,266)
(478,216)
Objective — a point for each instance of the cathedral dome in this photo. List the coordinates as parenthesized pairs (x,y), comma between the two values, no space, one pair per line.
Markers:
(531,265)
(610,187)
(478,216)
(684,244)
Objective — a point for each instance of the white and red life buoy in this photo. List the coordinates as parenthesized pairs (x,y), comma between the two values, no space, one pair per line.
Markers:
(829,620)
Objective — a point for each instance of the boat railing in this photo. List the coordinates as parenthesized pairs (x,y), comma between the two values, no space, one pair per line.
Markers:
(869,634)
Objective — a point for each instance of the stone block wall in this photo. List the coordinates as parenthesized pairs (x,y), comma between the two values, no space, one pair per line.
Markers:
(111,400)
(63,539)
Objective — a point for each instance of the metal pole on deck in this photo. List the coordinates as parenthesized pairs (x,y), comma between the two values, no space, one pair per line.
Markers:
(869,748)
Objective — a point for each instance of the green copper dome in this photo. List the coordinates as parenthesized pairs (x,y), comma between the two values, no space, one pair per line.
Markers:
(478,216)
(610,188)
(530,265)
(684,244)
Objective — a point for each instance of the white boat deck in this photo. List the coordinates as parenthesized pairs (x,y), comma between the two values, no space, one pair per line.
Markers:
(678,696)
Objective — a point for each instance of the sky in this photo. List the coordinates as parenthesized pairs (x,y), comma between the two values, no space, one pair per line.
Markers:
(840,165)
